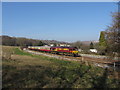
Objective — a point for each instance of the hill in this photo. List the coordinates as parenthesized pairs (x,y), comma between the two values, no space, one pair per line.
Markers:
(22,41)
(88,42)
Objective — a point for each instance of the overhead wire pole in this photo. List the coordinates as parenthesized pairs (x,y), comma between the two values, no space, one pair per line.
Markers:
(119,29)
(118,38)
(118,45)
(118,34)
(118,42)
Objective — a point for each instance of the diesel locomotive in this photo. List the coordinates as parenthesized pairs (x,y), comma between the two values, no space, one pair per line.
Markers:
(56,50)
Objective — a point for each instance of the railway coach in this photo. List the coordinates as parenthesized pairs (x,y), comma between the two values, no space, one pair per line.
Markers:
(40,48)
(56,50)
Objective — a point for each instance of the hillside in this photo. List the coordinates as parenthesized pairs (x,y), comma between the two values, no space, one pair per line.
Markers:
(22,41)
(88,42)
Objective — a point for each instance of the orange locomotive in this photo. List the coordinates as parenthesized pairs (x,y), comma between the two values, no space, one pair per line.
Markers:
(57,50)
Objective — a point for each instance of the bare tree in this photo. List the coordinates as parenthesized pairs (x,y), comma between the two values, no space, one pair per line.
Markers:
(113,35)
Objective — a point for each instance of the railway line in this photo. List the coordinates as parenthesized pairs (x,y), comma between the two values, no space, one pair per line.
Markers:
(100,62)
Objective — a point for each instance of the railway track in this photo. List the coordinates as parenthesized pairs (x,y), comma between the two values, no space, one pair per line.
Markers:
(80,58)
(99,56)
(96,61)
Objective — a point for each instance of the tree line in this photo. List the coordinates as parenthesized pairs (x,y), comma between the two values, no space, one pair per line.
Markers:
(13,41)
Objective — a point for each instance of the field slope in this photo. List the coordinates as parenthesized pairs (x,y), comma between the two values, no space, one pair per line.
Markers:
(24,70)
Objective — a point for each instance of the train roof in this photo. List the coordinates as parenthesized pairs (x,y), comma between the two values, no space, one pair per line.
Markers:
(64,47)
(55,47)
(38,46)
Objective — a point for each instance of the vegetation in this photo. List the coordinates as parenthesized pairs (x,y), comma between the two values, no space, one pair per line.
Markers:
(113,35)
(91,46)
(13,41)
(109,41)
(102,40)
(102,43)
(21,41)
(24,70)
(82,46)
(77,44)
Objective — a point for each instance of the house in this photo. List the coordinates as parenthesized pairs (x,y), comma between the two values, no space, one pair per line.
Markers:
(61,45)
(51,45)
(80,50)
(93,50)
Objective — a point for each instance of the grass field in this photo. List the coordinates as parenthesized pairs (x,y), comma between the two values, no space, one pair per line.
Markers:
(24,70)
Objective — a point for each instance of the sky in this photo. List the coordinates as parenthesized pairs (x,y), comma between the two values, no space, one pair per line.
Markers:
(62,21)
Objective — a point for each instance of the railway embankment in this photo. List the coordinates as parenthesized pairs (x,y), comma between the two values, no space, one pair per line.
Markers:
(100,61)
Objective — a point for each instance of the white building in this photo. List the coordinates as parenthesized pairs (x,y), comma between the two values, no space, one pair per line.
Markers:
(62,45)
(80,50)
(93,50)
(51,45)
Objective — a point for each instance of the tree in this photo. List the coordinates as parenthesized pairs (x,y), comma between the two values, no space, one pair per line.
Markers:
(91,46)
(102,43)
(77,44)
(9,41)
(41,43)
(22,42)
(113,34)
(102,40)
(55,44)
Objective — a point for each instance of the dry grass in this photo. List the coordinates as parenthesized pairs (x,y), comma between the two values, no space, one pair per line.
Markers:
(28,60)
(22,60)
(7,51)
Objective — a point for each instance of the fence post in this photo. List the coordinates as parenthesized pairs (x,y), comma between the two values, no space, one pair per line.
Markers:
(82,58)
(114,66)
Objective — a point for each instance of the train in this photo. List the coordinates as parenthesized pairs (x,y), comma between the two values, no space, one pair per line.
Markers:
(71,51)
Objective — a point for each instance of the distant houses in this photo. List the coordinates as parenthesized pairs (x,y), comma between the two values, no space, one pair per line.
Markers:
(64,45)
(61,45)
(80,50)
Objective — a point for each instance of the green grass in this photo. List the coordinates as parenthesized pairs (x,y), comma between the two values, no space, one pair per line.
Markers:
(20,52)
(35,71)
(57,61)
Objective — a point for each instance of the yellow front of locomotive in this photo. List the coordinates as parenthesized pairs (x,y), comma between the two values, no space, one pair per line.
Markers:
(74,52)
